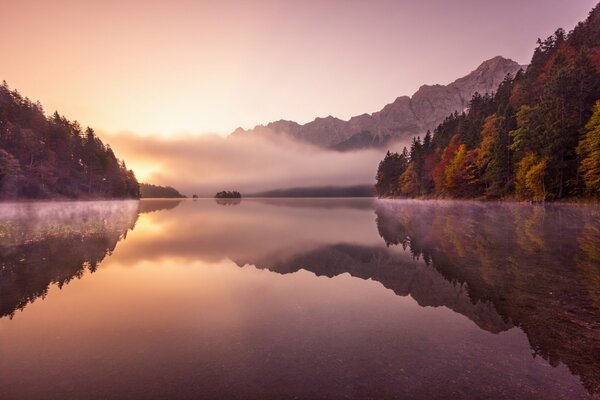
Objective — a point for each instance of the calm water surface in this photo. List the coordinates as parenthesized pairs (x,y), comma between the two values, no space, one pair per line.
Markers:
(304,298)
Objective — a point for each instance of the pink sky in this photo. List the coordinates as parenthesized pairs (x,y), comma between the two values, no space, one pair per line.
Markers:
(166,67)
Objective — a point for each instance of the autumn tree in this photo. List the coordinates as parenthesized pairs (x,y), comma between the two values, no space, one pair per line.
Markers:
(589,152)
(535,138)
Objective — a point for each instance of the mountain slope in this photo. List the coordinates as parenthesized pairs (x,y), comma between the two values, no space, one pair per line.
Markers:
(535,139)
(404,118)
(150,191)
(52,157)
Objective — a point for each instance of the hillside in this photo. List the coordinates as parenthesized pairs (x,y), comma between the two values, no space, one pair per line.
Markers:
(404,118)
(319,191)
(537,138)
(148,190)
(52,157)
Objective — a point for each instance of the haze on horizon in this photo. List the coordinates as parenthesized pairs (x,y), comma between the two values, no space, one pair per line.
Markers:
(152,77)
(165,67)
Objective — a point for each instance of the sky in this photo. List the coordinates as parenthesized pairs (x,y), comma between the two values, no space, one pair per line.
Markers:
(164,81)
(187,66)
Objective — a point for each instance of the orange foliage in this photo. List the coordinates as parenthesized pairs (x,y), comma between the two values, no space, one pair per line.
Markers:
(517,96)
(489,134)
(594,55)
(461,173)
(568,52)
(409,181)
(428,168)
(439,172)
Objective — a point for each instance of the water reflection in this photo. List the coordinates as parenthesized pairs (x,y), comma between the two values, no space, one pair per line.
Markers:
(538,266)
(228,202)
(42,244)
(212,301)
(152,205)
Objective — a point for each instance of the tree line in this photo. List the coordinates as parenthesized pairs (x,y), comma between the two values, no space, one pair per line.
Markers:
(537,137)
(52,157)
(148,190)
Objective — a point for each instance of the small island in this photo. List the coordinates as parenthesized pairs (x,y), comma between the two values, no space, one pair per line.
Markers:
(227,194)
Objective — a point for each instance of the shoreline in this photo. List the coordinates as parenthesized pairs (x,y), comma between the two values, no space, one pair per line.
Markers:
(573,200)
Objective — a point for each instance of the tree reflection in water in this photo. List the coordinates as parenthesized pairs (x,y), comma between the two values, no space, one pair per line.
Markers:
(539,266)
(42,244)
(501,265)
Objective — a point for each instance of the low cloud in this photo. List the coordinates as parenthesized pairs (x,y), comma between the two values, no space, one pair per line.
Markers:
(205,164)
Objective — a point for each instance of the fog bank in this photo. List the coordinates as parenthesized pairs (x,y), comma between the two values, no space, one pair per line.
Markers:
(205,164)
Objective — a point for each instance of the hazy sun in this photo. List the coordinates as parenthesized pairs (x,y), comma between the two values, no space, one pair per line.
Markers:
(144,173)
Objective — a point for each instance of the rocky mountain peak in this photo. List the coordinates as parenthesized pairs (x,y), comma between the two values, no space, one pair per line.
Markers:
(402,119)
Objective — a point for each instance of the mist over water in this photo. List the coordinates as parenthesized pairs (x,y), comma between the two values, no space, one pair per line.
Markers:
(294,298)
(207,164)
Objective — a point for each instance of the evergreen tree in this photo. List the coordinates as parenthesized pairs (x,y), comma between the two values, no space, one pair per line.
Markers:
(44,157)
(389,172)
(529,139)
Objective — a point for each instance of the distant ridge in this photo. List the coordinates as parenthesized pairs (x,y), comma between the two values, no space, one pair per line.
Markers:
(150,191)
(319,191)
(402,119)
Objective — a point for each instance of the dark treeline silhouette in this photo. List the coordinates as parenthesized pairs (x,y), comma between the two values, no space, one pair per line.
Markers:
(538,266)
(537,137)
(319,191)
(49,157)
(148,190)
(228,194)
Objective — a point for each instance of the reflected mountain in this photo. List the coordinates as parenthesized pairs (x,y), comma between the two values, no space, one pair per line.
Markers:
(500,265)
(539,266)
(395,271)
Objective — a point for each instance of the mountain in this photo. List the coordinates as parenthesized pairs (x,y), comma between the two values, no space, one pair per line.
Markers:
(537,138)
(405,118)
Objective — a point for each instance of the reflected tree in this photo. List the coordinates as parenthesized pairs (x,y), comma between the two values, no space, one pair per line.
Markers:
(539,266)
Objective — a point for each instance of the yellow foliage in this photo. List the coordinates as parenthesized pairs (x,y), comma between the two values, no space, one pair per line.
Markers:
(530,176)
(453,168)
(489,134)
(589,151)
(409,181)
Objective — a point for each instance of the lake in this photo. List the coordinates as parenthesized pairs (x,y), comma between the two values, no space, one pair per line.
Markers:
(299,298)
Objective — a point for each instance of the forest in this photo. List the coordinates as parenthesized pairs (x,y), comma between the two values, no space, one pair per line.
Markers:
(52,157)
(536,138)
(148,190)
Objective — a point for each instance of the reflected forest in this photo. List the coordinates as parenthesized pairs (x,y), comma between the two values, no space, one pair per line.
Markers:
(299,200)
(500,265)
